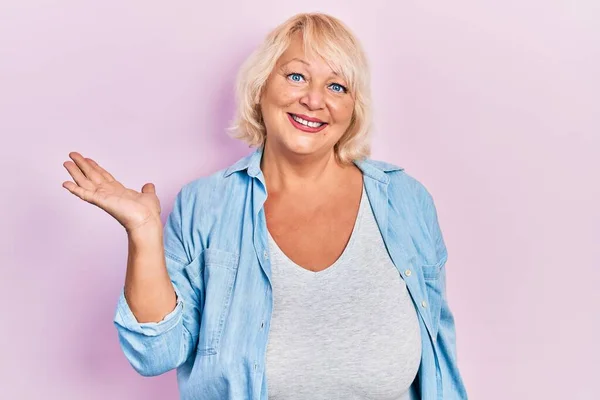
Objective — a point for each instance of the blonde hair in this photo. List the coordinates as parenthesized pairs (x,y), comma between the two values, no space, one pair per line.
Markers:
(328,38)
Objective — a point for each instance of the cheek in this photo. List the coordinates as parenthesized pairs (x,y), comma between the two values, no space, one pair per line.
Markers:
(342,111)
(282,95)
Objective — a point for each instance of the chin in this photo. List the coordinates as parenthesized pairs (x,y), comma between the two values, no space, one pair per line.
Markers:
(302,143)
(296,147)
(297,142)
(301,150)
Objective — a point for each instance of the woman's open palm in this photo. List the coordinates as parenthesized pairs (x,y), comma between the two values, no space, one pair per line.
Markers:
(96,186)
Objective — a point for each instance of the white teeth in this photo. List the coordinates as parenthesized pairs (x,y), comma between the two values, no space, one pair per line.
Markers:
(307,123)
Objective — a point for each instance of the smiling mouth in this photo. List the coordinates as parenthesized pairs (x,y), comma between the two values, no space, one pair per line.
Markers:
(311,124)
(305,125)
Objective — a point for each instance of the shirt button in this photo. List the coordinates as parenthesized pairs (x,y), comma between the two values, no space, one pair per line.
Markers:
(265,254)
(407,272)
(424,304)
(262,324)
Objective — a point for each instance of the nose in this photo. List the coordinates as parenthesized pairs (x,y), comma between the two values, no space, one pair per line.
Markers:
(313,98)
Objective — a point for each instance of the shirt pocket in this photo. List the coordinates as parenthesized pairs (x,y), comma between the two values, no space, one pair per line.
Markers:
(220,270)
(432,274)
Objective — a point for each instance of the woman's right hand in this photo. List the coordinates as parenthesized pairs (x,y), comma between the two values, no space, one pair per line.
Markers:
(96,186)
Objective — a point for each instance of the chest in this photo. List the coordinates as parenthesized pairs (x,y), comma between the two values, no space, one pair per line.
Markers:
(312,234)
(237,296)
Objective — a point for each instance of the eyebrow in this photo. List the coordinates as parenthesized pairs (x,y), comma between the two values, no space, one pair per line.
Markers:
(298,59)
(306,63)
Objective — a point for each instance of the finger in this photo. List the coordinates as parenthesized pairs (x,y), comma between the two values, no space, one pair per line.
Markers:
(102,171)
(78,176)
(78,191)
(149,188)
(86,167)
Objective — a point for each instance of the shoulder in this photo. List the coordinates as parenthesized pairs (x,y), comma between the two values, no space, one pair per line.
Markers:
(382,165)
(404,182)
(400,181)
(410,197)
(207,189)
(404,189)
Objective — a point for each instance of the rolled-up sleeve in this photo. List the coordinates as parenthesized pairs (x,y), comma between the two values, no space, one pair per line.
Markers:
(153,348)
(124,318)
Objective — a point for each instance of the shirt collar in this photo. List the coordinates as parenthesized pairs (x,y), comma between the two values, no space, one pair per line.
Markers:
(251,162)
(371,168)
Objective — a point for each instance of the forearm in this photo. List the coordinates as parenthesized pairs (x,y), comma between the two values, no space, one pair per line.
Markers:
(156,332)
(148,288)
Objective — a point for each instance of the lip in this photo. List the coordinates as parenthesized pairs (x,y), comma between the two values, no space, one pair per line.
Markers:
(307,118)
(304,128)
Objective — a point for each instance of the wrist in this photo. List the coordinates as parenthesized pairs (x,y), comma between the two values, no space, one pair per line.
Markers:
(151,227)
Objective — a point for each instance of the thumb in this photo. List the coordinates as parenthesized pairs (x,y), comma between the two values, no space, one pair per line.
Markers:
(149,188)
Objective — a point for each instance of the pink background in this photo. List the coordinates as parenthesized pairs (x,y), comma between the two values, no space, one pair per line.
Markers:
(494,107)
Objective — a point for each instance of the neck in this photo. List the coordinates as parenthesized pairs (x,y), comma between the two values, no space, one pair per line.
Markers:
(293,172)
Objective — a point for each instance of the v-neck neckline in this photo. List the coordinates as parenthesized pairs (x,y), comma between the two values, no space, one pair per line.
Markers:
(334,266)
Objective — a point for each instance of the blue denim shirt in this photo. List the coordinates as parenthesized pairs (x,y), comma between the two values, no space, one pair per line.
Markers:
(216,249)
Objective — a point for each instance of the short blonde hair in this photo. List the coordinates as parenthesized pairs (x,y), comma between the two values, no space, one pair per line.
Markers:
(328,38)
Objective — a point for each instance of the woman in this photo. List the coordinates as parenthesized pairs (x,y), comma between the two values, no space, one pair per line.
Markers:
(303,271)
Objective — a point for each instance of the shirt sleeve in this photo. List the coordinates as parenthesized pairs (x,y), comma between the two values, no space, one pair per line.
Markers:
(153,348)
(453,386)
(125,318)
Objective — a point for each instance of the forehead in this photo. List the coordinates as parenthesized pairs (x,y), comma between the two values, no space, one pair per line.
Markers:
(297,52)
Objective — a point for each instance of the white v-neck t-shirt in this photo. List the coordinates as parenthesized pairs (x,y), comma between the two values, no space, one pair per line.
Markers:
(343,333)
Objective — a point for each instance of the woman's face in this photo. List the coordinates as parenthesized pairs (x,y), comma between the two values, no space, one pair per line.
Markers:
(306,107)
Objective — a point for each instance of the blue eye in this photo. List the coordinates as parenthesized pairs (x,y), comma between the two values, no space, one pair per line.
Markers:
(336,87)
(296,77)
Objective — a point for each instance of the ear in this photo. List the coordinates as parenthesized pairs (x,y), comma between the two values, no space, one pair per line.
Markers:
(258,112)
(260,95)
